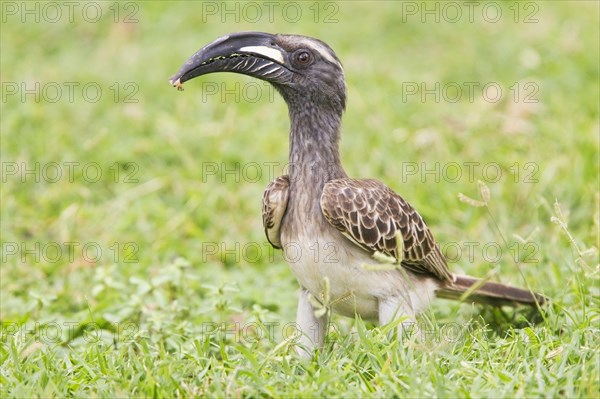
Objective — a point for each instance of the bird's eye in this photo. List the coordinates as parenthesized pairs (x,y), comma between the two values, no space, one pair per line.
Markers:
(303,57)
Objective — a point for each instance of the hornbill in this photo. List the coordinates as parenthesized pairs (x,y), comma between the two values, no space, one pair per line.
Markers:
(329,225)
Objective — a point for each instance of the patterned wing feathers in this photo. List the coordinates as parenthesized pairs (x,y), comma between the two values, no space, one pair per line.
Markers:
(370,214)
(275,200)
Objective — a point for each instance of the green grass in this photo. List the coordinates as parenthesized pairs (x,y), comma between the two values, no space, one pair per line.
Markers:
(172,307)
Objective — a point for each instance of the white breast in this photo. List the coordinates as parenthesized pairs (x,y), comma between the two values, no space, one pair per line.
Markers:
(353,289)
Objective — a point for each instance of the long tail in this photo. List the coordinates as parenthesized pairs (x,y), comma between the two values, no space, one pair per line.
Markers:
(472,289)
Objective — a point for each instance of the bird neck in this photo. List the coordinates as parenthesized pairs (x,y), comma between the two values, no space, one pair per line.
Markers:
(314,147)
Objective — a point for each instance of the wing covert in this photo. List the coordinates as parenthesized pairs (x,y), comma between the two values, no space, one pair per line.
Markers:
(275,200)
(370,214)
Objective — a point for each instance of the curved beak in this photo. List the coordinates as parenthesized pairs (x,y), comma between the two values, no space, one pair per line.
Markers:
(249,53)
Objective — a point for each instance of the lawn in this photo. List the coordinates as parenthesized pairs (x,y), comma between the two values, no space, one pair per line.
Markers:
(134,262)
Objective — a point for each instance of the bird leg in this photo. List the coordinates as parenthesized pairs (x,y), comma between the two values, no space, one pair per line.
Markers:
(394,308)
(311,327)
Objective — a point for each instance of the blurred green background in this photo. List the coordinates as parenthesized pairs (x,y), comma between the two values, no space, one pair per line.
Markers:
(176,209)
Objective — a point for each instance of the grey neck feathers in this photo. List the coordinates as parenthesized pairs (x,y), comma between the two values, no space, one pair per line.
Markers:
(314,147)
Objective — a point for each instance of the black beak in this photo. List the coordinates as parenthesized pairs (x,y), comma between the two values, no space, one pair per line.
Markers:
(249,53)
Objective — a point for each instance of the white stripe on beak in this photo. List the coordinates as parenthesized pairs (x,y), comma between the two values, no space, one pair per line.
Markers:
(268,52)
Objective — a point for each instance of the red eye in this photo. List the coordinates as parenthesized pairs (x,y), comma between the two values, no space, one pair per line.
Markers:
(303,57)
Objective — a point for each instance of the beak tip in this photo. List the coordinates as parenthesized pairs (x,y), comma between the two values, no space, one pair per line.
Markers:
(176,83)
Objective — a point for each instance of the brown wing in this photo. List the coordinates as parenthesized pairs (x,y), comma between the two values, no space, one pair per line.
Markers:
(370,214)
(275,200)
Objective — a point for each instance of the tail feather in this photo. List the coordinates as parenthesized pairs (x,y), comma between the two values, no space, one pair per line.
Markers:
(473,289)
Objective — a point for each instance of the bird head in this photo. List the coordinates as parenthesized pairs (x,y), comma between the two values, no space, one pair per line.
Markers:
(304,70)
